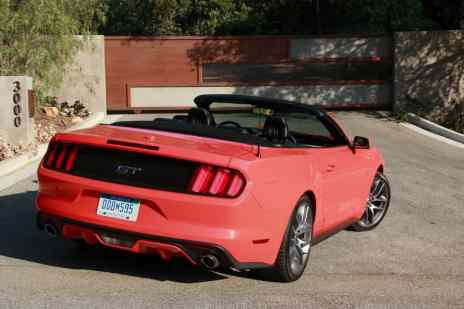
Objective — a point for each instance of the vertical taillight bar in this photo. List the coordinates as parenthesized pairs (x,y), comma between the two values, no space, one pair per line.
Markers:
(220,182)
(236,185)
(71,158)
(202,178)
(61,156)
(52,154)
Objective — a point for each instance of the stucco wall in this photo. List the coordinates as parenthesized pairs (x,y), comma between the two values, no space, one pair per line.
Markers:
(312,48)
(360,96)
(429,73)
(85,78)
(19,131)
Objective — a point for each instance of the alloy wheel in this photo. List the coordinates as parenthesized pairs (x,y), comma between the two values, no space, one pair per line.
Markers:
(300,238)
(377,203)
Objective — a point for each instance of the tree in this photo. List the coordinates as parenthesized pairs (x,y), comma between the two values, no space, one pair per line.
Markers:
(173,17)
(448,14)
(384,15)
(37,37)
(215,17)
(247,17)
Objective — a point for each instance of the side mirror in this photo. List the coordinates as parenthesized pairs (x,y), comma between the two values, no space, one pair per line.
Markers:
(360,142)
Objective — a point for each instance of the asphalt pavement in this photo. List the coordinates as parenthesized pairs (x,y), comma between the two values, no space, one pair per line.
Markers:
(414,259)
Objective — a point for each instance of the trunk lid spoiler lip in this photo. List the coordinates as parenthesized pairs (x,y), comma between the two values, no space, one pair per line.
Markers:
(203,150)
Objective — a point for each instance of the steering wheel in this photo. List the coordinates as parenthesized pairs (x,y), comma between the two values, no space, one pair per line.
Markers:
(292,139)
(230,122)
(235,125)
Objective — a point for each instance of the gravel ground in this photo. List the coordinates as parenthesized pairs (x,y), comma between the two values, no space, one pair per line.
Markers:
(415,259)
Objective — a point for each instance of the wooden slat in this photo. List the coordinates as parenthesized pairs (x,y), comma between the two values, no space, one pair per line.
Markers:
(173,61)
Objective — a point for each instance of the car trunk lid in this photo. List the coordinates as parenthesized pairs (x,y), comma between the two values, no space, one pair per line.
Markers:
(176,145)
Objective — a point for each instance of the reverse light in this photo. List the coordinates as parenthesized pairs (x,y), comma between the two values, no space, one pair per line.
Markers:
(217,181)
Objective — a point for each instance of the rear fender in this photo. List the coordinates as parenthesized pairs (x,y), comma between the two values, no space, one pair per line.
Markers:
(277,183)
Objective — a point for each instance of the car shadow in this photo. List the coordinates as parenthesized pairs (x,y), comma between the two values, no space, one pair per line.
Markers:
(20,239)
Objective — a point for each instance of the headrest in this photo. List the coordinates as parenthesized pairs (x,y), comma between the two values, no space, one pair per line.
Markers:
(276,129)
(200,116)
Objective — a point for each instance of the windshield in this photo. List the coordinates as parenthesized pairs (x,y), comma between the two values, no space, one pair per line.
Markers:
(277,125)
(304,130)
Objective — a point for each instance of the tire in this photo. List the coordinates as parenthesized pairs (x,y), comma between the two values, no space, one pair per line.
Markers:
(295,249)
(376,206)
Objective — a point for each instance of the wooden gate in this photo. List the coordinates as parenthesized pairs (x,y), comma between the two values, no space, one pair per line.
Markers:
(166,73)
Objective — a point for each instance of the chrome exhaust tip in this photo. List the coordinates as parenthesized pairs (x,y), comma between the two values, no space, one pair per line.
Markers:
(51,230)
(210,261)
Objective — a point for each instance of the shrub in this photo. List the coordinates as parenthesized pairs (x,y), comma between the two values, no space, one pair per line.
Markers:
(37,37)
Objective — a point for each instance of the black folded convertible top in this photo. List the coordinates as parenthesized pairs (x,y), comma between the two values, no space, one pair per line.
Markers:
(179,126)
(206,100)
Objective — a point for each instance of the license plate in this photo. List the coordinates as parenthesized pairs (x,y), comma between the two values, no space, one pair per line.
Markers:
(118,207)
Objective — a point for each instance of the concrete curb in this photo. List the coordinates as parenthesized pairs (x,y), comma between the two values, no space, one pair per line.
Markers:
(21,167)
(435,128)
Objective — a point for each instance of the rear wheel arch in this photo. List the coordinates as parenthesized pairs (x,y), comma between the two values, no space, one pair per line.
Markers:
(285,268)
(312,197)
(380,168)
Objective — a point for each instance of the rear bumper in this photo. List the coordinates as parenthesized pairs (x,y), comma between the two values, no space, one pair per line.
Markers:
(238,231)
(140,243)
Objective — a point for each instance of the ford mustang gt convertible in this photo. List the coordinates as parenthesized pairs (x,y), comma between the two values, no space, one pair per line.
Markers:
(238,182)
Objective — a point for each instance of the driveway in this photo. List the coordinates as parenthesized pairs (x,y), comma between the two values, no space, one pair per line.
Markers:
(414,259)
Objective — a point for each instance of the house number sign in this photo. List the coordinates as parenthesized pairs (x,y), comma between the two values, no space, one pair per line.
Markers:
(17,104)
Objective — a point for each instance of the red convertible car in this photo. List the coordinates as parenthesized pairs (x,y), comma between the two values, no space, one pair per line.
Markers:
(239,182)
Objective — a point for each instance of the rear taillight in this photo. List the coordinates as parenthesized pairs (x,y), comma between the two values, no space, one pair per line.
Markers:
(61,156)
(217,181)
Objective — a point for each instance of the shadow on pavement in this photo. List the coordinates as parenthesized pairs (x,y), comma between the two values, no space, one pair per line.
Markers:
(373,114)
(20,239)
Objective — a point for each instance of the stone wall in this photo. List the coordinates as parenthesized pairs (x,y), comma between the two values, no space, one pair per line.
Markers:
(429,74)
(85,79)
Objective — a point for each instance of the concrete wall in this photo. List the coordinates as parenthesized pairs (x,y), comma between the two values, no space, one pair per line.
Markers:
(429,73)
(15,123)
(360,96)
(85,79)
(313,48)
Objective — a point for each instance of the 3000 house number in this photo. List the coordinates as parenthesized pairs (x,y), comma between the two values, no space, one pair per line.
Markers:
(17,104)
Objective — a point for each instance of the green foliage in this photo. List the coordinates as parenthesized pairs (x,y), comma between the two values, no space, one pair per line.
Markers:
(173,17)
(210,17)
(248,17)
(283,17)
(37,37)
(386,15)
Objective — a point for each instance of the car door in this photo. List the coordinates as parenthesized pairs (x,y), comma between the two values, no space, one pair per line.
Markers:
(343,185)
(339,170)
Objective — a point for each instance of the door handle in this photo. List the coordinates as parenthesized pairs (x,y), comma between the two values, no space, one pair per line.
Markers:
(330,168)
